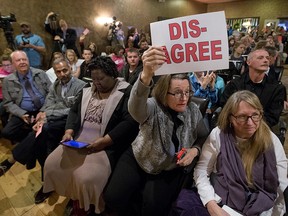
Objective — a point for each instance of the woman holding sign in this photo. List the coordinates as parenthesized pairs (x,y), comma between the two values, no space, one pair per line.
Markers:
(171,135)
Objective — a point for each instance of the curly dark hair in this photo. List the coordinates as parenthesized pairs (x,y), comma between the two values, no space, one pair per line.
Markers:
(104,63)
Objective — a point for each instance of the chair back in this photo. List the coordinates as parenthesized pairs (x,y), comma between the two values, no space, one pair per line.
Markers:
(202,104)
(279,72)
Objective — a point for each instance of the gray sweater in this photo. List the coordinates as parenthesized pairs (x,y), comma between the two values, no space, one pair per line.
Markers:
(153,147)
(55,105)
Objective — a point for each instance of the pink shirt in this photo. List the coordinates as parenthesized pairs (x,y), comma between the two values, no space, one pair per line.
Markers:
(3,74)
(119,61)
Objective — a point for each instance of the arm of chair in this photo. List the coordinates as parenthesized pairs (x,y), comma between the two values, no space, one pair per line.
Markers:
(279,72)
(236,76)
(202,104)
(215,116)
(282,127)
(282,131)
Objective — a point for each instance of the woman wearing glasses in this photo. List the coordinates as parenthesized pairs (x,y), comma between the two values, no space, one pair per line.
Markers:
(6,69)
(168,123)
(243,164)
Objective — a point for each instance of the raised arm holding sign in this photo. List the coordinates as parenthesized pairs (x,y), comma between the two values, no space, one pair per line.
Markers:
(153,59)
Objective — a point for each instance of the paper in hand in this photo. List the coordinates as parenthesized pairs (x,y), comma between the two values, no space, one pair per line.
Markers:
(39,130)
(86,31)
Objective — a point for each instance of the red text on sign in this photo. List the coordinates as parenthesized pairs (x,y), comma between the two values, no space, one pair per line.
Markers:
(184,30)
(194,52)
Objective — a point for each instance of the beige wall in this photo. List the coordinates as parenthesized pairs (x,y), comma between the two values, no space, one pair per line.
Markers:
(265,9)
(138,13)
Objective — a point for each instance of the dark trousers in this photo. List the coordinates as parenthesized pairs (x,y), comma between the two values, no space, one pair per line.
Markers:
(16,129)
(129,181)
(31,149)
(3,115)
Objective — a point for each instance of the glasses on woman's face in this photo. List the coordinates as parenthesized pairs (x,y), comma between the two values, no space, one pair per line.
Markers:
(180,94)
(6,65)
(244,118)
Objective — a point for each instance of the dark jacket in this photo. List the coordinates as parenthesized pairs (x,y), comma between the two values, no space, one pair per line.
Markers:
(120,126)
(84,71)
(69,41)
(270,93)
(131,77)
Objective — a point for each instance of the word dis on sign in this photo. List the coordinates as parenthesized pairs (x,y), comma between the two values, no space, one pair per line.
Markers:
(185,30)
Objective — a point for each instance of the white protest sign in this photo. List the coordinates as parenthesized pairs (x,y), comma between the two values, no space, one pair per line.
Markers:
(193,43)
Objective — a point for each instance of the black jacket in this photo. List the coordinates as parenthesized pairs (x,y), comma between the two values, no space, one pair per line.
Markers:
(69,41)
(270,93)
(131,77)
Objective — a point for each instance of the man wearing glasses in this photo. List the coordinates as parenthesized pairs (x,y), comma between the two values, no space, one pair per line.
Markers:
(5,69)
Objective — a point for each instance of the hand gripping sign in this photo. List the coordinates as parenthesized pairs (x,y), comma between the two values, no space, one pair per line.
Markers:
(193,43)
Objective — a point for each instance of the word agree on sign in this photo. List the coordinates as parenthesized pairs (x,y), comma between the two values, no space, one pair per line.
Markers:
(192,43)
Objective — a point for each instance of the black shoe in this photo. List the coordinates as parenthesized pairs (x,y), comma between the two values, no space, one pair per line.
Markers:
(69,208)
(41,196)
(91,211)
(13,142)
(3,170)
(30,164)
(5,166)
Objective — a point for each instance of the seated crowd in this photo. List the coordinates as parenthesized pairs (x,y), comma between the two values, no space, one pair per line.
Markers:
(144,136)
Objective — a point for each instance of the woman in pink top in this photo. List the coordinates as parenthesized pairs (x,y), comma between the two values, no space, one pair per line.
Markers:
(5,69)
(118,57)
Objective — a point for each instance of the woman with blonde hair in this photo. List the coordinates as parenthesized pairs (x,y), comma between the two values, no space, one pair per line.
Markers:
(73,62)
(243,164)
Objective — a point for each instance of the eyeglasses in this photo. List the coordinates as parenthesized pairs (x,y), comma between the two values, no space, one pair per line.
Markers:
(244,118)
(6,65)
(181,94)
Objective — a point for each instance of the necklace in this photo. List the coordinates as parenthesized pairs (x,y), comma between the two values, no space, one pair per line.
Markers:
(102,96)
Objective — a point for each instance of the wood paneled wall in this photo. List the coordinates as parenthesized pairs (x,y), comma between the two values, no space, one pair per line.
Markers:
(138,13)
(80,14)
(265,9)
